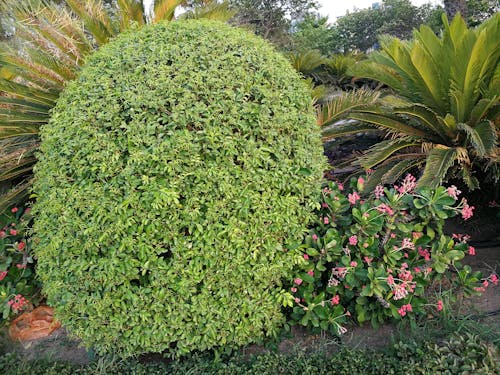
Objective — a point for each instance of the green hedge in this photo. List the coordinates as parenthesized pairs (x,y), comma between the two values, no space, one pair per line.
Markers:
(174,176)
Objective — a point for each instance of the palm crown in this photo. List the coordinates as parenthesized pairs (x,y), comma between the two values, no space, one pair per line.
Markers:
(444,116)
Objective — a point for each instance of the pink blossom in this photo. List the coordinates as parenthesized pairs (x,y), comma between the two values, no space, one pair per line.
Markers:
(21,266)
(417,270)
(393,235)
(314,237)
(335,300)
(407,244)
(324,205)
(340,186)
(365,245)
(472,250)
(494,279)
(486,283)
(479,289)
(326,220)
(368,260)
(361,180)
(424,253)
(13,232)
(21,245)
(310,273)
(404,309)
(353,264)
(385,209)
(2,234)
(297,281)
(297,300)
(3,274)
(293,289)
(439,305)
(409,184)
(379,191)
(467,211)
(453,192)
(405,255)
(14,210)
(305,256)
(353,240)
(340,272)
(353,198)
(390,280)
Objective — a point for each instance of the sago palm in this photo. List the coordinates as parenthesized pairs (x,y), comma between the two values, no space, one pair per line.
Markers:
(442,114)
(51,42)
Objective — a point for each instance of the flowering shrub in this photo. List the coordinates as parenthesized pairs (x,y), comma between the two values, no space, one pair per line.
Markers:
(371,258)
(18,287)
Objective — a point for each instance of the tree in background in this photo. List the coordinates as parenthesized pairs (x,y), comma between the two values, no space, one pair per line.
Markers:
(315,33)
(479,11)
(360,30)
(453,7)
(272,19)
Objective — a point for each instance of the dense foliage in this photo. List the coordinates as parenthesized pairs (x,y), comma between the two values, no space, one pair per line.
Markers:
(49,41)
(371,258)
(441,119)
(454,355)
(19,290)
(173,175)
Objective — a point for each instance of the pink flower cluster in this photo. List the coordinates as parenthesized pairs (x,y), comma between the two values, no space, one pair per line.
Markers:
(409,184)
(339,272)
(335,300)
(3,274)
(407,244)
(18,302)
(353,240)
(405,309)
(385,209)
(379,191)
(453,192)
(353,198)
(467,211)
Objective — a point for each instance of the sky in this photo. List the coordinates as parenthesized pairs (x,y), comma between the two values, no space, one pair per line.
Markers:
(337,8)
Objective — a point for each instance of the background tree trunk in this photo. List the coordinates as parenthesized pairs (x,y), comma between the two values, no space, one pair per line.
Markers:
(453,7)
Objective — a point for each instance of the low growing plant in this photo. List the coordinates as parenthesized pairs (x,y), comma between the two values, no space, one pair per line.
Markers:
(371,258)
(18,286)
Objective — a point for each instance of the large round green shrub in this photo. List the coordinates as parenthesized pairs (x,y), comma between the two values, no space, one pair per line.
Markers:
(173,175)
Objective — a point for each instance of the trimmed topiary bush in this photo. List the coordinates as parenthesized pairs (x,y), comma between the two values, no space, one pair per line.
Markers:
(172,183)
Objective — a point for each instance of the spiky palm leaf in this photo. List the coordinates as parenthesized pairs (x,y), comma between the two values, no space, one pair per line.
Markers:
(51,43)
(450,107)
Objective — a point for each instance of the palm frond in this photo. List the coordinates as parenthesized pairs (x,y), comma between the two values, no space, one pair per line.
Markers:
(343,103)
(306,62)
(212,10)
(131,11)
(383,150)
(439,160)
(165,9)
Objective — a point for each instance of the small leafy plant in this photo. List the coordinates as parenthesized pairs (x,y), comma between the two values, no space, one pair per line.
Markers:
(371,258)
(18,286)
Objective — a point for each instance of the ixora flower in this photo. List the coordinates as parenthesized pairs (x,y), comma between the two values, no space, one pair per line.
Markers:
(353,240)
(453,192)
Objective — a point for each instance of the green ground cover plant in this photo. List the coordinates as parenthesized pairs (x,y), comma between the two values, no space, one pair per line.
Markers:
(176,178)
